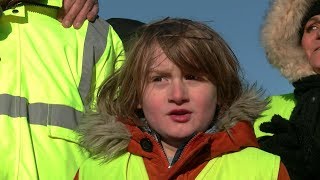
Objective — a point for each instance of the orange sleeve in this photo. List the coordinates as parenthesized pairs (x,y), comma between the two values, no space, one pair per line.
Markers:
(283,173)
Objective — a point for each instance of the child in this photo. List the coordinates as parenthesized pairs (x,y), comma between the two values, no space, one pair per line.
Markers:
(176,110)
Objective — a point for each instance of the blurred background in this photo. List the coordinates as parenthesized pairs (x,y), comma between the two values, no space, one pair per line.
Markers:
(238,22)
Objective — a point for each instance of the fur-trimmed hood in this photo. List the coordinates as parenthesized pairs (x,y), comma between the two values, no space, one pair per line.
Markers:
(105,137)
(281,40)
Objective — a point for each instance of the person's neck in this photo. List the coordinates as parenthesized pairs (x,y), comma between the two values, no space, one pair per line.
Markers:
(169,150)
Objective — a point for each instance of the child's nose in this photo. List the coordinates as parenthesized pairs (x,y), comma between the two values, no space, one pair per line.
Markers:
(178,93)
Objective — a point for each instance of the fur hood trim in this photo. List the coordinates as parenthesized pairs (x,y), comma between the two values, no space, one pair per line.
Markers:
(280,38)
(105,137)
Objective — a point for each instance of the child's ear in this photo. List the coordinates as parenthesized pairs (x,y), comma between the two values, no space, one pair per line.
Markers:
(139,106)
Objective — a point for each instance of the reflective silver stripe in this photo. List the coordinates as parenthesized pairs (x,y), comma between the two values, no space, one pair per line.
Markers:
(94,46)
(13,106)
(39,113)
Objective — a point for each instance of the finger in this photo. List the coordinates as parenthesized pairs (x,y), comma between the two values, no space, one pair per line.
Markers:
(60,14)
(72,13)
(267,127)
(280,122)
(277,125)
(67,4)
(92,15)
(82,15)
(275,128)
(278,143)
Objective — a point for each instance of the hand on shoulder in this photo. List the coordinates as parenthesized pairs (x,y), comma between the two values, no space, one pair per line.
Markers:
(75,12)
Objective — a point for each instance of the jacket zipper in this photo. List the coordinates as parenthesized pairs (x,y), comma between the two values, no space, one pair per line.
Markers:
(184,149)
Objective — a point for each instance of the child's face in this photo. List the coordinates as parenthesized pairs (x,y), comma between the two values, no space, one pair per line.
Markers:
(177,104)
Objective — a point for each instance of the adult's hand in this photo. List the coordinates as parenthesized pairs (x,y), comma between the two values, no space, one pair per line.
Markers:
(75,12)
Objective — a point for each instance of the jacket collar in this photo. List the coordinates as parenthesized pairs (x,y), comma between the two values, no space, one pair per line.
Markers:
(7,4)
(196,154)
(241,135)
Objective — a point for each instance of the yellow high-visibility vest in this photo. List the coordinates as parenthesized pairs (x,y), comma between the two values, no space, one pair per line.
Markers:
(247,164)
(48,75)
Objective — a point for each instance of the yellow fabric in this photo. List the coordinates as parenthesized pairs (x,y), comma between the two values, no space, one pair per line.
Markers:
(41,64)
(282,105)
(248,164)
(54,3)
(28,152)
(125,167)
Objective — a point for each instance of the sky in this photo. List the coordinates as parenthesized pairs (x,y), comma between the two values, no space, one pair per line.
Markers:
(238,22)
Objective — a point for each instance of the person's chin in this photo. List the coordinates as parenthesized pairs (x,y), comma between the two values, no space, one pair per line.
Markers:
(315,63)
(316,66)
(316,70)
(181,136)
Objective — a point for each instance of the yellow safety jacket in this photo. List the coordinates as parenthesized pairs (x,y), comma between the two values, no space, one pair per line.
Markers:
(48,75)
(282,105)
(247,164)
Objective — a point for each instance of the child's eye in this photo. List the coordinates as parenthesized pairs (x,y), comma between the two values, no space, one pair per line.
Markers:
(157,79)
(191,77)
